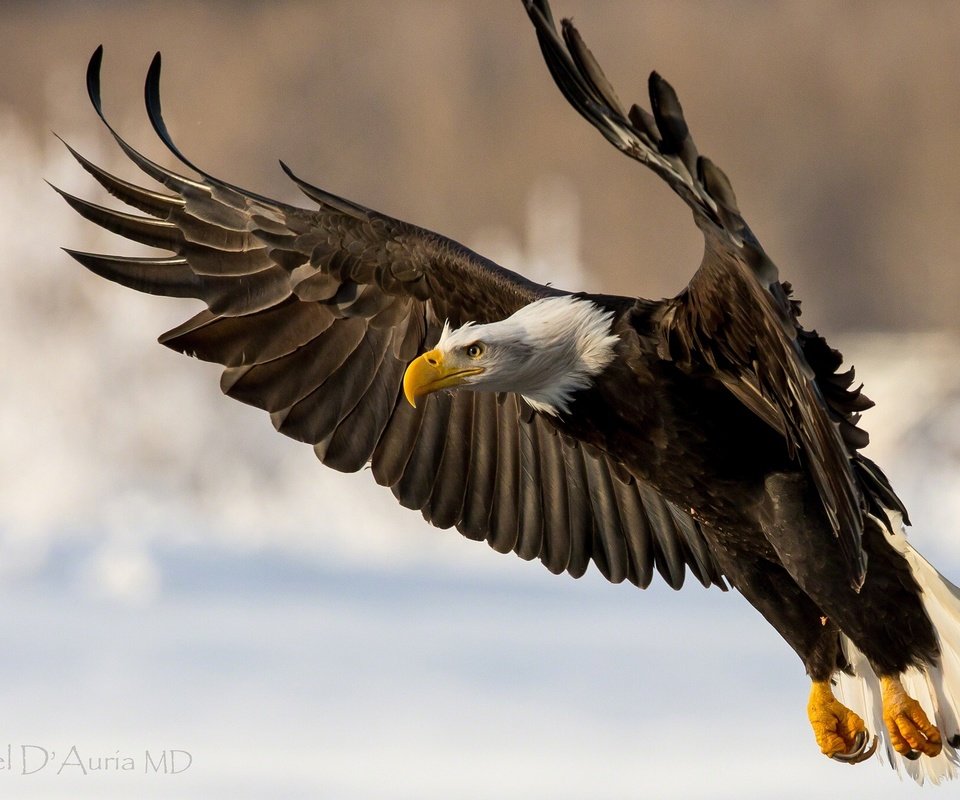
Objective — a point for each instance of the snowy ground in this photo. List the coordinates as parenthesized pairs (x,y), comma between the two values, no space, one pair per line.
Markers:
(175,576)
(283,677)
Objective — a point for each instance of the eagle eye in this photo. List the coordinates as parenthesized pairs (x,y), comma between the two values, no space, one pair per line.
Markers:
(474,350)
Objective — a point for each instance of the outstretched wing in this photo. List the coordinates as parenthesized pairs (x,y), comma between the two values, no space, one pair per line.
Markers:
(735,317)
(315,315)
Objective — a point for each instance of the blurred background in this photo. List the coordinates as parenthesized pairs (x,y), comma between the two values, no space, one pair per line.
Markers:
(176,576)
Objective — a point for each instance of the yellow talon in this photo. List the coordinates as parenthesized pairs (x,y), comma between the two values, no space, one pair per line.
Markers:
(839,732)
(911,732)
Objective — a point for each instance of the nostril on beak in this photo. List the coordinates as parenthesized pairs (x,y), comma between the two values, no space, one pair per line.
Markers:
(432,361)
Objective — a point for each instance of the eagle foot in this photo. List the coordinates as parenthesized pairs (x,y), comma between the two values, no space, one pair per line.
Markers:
(839,732)
(911,732)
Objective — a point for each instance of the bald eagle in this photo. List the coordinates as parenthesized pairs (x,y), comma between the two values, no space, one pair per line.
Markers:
(708,432)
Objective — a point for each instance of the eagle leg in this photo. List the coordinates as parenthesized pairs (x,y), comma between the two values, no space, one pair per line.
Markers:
(839,732)
(911,732)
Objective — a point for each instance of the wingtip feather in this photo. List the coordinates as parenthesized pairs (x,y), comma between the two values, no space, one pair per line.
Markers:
(151,97)
(93,77)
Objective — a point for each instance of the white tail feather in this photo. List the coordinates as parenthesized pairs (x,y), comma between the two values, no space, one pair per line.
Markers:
(937,689)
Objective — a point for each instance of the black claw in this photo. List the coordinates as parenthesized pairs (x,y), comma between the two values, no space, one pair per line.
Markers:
(852,756)
(913,755)
(860,742)
(859,752)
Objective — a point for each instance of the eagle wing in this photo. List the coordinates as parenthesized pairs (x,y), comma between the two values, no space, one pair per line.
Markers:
(736,318)
(315,315)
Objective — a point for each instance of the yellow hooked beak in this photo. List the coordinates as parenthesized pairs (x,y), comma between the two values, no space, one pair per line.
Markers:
(428,374)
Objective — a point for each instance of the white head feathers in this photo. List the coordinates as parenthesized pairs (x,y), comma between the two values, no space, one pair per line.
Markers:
(545,352)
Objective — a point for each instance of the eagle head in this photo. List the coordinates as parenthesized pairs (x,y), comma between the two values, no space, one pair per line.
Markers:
(546,351)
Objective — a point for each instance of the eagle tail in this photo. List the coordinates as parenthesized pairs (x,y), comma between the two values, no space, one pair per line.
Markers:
(937,688)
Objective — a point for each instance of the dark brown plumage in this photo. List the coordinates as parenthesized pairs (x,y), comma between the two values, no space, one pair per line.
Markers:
(721,439)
